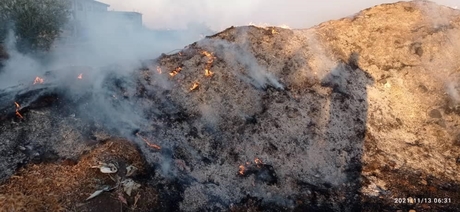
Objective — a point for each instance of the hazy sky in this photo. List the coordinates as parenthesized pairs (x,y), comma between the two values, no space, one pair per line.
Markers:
(220,14)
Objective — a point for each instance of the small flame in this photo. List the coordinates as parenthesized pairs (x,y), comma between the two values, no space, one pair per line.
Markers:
(148,143)
(241,170)
(38,80)
(159,69)
(194,86)
(208,73)
(17,110)
(80,76)
(211,58)
(175,72)
(274,32)
(19,115)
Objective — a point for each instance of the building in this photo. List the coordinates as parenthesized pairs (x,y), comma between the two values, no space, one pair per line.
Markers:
(83,9)
(88,15)
(131,20)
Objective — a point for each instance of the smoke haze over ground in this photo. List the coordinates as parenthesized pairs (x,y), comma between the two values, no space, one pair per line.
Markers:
(105,42)
(219,15)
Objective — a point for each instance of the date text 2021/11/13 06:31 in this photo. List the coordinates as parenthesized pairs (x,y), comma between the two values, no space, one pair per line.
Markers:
(411,200)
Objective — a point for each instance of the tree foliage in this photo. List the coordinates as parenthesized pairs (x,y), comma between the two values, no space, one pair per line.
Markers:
(36,23)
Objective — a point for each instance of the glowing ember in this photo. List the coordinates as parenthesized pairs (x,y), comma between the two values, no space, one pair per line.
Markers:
(194,86)
(258,161)
(242,169)
(80,76)
(17,110)
(148,143)
(159,69)
(208,73)
(175,72)
(207,54)
(38,80)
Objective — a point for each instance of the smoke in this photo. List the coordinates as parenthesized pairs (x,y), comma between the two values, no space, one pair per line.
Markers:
(436,16)
(101,41)
(453,93)
(106,50)
(444,66)
(240,58)
(19,67)
(107,42)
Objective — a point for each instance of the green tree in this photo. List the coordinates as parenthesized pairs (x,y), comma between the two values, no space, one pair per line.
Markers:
(36,23)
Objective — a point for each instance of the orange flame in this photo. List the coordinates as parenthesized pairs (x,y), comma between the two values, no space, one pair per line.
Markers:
(241,169)
(159,69)
(194,86)
(208,73)
(17,110)
(80,76)
(38,80)
(175,71)
(211,58)
(148,143)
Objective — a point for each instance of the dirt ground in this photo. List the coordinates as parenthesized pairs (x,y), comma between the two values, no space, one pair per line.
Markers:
(65,185)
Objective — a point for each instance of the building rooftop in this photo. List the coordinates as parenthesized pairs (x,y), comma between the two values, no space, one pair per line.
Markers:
(126,12)
(98,2)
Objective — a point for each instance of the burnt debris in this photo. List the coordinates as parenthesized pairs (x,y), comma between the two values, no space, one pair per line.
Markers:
(263,173)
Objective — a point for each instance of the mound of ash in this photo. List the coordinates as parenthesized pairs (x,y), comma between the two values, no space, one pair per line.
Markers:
(354,114)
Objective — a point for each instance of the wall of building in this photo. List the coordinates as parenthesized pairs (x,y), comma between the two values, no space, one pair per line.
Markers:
(93,16)
(129,20)
(82,9)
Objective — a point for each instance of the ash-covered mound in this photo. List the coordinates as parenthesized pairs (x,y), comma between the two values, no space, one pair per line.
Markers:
(349,115)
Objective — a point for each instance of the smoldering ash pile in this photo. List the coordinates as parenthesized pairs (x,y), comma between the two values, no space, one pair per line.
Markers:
(352,114)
